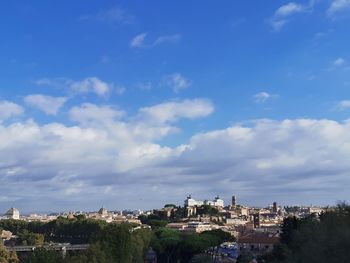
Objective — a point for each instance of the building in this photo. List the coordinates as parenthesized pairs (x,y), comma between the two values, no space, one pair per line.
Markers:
(177,226)
(5,236)
(192,204)
(257,243)
(12,213)
(234,201)
(256,220)
(217,202)
(274,207)
(103,212)
(198,227)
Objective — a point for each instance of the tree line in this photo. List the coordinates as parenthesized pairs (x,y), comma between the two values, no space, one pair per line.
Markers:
(109,243)
(322,239)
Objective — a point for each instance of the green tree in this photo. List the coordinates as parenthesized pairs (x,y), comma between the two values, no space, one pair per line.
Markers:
(323,239)
(7,256)
(27,238)
(207,210)
(166,244)
(41,255)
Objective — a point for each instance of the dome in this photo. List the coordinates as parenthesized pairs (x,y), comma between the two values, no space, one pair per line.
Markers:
(103,211)
(12,213)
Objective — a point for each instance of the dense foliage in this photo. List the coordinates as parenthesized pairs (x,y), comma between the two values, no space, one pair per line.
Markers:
(109,243)
(207,210)
(315,239)
(6,256)
(173,246)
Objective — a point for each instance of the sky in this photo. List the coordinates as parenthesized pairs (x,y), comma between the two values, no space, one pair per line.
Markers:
(131,104)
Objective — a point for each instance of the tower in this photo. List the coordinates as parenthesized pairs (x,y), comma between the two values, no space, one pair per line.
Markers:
(274,207)
(256,220)
(234,201)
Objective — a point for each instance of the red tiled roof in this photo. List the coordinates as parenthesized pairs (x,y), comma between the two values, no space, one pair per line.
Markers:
(258,240)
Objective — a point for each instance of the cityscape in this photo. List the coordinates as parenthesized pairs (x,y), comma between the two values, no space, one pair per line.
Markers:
(255,231)
(175,131)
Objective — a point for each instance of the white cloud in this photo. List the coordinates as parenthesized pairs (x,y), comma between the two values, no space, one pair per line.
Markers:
(87,85)
(172,111)
(49,105)
(89,113)
(176,82)
(138,41)
(338,6)
(91,84)
(343,105)
(283,13)
(295,160)
(289,9)
(9,109)
(277,25)
(339,62)
(167,39)
(263,97)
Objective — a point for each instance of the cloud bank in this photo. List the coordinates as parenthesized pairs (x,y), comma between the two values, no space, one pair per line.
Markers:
(107,156)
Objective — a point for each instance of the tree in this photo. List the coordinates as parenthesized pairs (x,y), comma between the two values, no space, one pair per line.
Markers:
(166,243)
(7,256)
(27,238)
(207,210)
(315,239)
(41,255)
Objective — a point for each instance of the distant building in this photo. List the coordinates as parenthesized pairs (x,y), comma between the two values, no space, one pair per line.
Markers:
(217,202)
(192,204)
(103,212)
(199,227)
(274,207)
(234,201)
(257,243)
(189,202)
(12,213)
(5,235)
(256,220)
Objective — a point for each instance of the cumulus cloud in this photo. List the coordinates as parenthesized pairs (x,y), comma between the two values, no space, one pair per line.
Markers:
(9,109)
(49,105)
(263,97)
(108,156)
(176,82)
(88,113)
(91,84)
(293,161)
(101,148)
(338,6)
(172,111)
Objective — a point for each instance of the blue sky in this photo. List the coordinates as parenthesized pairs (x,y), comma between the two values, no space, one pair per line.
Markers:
(104,101)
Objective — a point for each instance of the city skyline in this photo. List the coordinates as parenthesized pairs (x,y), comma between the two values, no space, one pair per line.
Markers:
(134,105)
